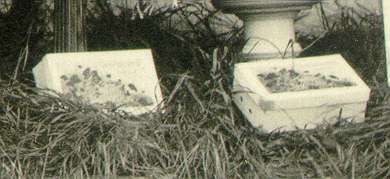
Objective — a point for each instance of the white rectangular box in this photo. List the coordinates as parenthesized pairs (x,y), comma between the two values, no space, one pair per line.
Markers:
(299,109)
(124,78)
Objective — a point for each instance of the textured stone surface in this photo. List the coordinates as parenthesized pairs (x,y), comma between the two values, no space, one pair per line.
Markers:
(106,79)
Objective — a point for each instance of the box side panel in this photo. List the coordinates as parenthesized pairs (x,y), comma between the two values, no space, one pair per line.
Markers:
(249,109)
(303,118)
(309,118)
(153,74)
(42,74)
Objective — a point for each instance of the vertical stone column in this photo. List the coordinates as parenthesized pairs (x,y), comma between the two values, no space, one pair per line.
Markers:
(270,34)
(69,25)
(386,20)
(269,25)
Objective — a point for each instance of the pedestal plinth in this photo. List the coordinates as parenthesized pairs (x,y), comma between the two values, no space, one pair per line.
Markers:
(269,25)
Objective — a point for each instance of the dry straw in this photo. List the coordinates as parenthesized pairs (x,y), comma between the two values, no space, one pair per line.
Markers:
(200,134)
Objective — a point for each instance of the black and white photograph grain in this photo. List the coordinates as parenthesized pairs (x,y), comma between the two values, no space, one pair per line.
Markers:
(194,89)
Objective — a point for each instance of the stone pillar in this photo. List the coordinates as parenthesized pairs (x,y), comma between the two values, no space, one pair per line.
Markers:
(386,20)
(69,25)
(269,25)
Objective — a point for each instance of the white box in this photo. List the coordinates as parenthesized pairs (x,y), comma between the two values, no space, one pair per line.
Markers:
(299,109)
(126,77)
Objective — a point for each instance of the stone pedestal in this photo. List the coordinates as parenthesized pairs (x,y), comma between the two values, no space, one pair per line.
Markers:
(269,25)
(269,28)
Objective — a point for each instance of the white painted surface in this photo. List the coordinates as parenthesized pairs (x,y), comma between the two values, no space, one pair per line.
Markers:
(127,66)
(269,34)
(269,25)
(301,109)
(386,20)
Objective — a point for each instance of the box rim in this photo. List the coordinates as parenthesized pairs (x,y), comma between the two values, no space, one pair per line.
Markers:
(261,94)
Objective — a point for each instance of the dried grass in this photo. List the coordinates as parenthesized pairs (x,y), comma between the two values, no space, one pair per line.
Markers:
(200,134)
